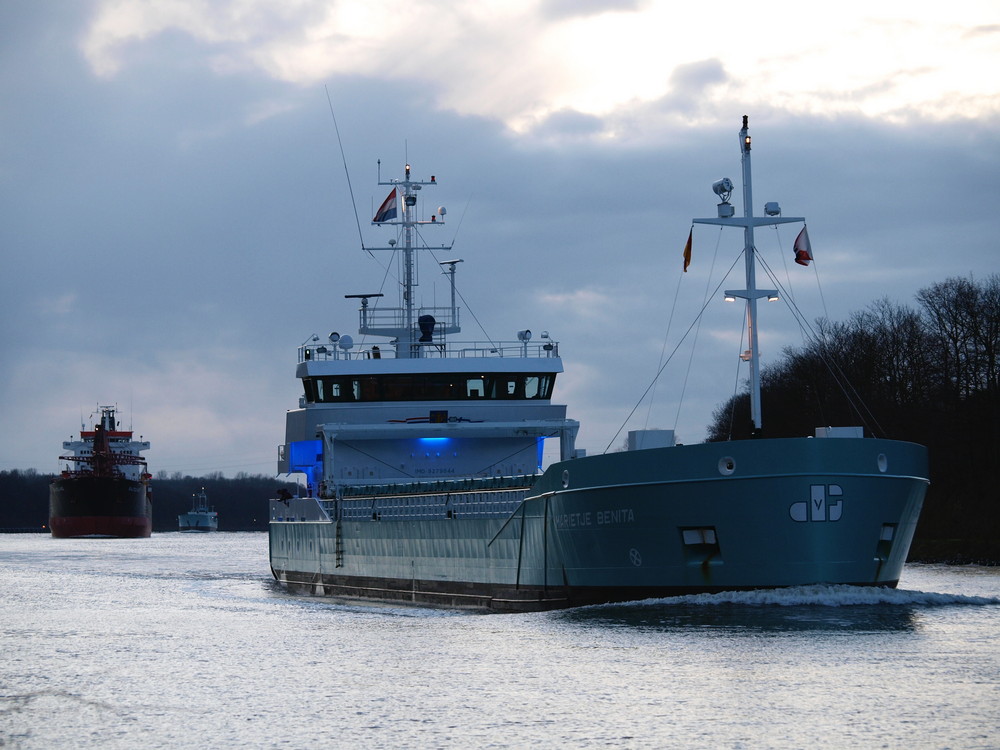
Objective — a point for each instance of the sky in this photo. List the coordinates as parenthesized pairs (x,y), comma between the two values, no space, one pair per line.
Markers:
(178,182)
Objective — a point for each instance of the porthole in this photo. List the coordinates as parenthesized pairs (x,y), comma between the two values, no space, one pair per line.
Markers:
(727,465)
(883,463)
(565,478)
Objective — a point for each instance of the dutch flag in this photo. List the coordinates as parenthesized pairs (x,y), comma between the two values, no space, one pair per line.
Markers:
(387,210)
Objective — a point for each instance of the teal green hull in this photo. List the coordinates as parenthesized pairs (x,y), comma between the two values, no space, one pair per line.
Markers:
(632,525)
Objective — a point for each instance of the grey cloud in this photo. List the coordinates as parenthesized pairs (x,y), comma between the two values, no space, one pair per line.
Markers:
(981,31)
(568,123)
(560,9)
(693,78)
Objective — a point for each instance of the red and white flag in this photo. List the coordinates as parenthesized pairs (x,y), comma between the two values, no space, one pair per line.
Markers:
(803,250)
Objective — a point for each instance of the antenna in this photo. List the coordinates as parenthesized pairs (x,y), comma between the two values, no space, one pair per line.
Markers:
(343,157)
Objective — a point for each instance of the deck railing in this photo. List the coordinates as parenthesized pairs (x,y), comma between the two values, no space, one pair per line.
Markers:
(542,349)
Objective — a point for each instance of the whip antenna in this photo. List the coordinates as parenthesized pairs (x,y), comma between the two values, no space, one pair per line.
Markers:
(343,157)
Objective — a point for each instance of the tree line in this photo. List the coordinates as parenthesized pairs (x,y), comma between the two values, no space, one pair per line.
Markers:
(929,374)
(241,502)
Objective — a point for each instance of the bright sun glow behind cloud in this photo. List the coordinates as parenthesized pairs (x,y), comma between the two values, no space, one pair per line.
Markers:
(519,62)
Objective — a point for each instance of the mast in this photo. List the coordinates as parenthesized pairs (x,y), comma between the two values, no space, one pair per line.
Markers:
(409,281)
(723,188)
(409,330)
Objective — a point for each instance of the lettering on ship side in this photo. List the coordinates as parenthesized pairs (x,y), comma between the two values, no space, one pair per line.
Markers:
(608,517)
(820,507)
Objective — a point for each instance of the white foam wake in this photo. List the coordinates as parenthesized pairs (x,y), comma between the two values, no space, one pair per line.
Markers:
(829,596)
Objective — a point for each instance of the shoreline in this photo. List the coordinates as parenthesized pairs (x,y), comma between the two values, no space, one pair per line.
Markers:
(955,552)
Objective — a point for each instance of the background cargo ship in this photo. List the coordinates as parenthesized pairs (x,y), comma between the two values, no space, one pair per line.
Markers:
(423,463)
(104,489)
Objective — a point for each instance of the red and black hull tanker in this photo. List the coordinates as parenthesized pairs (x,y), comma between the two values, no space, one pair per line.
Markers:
(99,506)
(107,493)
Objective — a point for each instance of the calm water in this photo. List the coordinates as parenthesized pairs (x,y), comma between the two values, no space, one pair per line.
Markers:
(183,641)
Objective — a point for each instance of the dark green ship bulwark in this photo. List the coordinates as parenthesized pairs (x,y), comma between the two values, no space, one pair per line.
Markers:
(424,481)
(623,526)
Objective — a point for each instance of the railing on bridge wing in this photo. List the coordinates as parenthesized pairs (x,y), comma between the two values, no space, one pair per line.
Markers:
(450,349)
(383,322)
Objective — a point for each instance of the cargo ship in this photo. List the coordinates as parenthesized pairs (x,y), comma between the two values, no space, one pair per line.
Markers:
(201,517)
(424,479)
(104,488)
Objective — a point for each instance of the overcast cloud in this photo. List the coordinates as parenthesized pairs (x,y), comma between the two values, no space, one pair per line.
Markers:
(177,220)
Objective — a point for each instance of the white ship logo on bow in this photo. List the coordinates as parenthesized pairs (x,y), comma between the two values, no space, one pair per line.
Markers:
(821,506)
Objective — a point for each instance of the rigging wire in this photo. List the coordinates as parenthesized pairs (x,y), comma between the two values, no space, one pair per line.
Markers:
(465,302)
(663,349)
(788,278)
(427,246)
(458,292)
(820,288)
(854,399)
(385,276)
(343,156)
(532,442)
(736,384)
(809,335)
(672,353)
(394,467)
(791,297)
(461,218)
(784,261)
(694,344)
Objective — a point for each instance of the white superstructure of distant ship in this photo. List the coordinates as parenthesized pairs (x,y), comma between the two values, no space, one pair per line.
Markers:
(201,517)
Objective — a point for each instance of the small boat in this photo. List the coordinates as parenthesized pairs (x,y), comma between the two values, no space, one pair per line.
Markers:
(106,492)
(201,517)
(425,485)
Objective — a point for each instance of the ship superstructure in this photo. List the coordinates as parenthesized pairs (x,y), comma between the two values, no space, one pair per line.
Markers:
(421,406)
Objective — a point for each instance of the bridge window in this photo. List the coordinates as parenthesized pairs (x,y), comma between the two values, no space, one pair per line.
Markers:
(532,385)
(429,387)
(475,388)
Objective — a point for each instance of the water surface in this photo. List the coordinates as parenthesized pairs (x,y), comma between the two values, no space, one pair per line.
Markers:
(184,640)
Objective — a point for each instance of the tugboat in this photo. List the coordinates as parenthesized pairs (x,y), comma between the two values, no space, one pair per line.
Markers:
(107,493)
(201,517)
(424,479)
